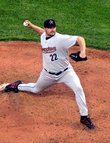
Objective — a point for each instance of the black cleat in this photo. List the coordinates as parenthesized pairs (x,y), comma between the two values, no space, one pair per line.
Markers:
(87,121)
(13,86)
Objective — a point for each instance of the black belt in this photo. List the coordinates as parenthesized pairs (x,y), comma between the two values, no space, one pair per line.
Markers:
(58,73)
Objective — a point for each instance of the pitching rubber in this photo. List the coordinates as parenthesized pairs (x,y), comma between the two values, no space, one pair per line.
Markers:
(2,86)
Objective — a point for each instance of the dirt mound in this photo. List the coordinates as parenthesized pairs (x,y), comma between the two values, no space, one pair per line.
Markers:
(52,116)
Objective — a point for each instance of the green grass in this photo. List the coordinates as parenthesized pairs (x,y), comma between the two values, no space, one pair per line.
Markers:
(88,18)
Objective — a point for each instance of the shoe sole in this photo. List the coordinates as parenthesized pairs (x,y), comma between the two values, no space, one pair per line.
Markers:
(2,86)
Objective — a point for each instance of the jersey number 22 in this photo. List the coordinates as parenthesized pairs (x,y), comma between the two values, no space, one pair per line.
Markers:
(54,57)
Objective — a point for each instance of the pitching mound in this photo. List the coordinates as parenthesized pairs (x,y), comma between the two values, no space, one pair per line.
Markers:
(52,116)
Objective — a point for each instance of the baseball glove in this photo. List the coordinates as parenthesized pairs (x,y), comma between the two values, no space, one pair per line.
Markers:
(76,57)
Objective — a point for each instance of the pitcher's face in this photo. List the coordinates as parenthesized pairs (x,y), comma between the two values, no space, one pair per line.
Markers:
(50,31)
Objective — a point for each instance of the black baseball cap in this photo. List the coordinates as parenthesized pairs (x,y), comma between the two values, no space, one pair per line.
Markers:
(49,23)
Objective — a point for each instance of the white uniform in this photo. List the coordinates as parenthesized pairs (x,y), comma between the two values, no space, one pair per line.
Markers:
(57,69)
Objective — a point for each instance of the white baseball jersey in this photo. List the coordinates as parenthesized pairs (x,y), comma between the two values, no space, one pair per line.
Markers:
(55,51)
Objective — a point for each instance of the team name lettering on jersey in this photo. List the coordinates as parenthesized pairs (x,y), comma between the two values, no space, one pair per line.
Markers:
(49,50)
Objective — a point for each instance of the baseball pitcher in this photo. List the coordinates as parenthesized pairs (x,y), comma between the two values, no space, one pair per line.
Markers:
(56,66)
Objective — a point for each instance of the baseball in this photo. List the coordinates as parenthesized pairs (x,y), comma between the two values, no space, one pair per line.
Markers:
(25,24)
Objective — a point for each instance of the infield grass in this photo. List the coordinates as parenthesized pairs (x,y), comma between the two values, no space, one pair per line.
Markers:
(88,18)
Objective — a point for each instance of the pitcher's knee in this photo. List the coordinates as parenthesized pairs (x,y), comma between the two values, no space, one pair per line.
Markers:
(79,89)
(35,90)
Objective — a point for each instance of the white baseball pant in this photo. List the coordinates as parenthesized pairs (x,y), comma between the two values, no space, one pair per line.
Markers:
(68,77)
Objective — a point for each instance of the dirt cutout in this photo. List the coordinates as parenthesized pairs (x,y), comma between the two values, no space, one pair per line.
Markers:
(52,116)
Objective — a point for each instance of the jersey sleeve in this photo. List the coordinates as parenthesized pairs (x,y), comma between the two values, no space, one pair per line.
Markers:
(68,41)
